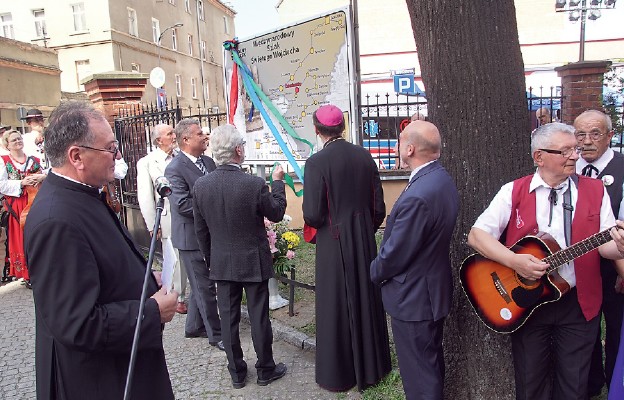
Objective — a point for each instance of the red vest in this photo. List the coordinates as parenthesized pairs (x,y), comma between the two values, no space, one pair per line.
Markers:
(586,222)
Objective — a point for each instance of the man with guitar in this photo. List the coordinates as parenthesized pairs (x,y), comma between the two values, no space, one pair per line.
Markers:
(594,131)
(552,347)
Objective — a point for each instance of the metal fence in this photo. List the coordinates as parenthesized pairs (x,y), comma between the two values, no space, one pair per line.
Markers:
(385,116)
(132,130)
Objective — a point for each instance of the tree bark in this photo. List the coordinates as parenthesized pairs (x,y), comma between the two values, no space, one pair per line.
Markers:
(473,75)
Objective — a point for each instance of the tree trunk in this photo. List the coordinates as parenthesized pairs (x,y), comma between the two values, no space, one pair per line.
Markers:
(473,74)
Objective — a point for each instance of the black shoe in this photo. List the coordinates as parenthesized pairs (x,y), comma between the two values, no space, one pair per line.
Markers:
(196,335)
(278,372)
(219,345)
(238,385)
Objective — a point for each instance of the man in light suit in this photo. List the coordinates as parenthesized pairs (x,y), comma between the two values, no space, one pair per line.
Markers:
(230,207)
(150,168)
(413,265)
(189,165)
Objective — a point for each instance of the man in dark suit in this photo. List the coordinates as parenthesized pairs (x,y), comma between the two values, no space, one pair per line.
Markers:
(594,131)
(202,319)
(413,265)
(85,333)
(230,207)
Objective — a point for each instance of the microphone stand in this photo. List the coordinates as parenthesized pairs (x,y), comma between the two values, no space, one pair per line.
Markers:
(148,271)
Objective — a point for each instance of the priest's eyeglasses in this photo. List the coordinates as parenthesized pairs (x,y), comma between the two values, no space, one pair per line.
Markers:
(113,148)
(565,153)
(593,135)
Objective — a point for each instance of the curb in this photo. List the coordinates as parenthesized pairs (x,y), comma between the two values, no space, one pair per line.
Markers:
(286,333)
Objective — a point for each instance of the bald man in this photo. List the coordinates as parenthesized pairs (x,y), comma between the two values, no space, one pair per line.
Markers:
(413,266)
(543,116)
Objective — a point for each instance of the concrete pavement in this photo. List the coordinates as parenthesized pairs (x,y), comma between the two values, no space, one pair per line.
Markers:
(197,370)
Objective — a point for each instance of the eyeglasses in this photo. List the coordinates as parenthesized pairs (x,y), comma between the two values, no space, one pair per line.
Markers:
(565,153)
(113,149)
(594,135)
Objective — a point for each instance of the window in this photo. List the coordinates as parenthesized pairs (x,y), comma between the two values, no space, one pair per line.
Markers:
(178,80)
(190,45)
(132,22)
(226,26)
(203,50)
(40,25)
(200,9)
(194,88)
(155,30)
(172,2)
(83,69)
(6,26)
(174,39)
(187,6)
(134,67)
(206,91)
(80,18)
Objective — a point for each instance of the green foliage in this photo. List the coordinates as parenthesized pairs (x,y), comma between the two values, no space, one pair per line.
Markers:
(614,80)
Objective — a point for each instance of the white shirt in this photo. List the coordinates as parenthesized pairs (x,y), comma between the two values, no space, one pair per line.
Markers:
(495,218)
(600,164)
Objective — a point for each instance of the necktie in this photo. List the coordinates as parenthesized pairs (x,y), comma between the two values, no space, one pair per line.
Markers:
(552,198)
(202,167)
(589,169)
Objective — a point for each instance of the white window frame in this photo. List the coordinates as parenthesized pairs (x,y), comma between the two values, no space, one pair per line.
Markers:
(226,25)
(174,39)
(187,6)
(155,30)
(80,76)
(200,9)
(190,44)
(135,67)
(133,27)
(178,84)
(202,50)
(206,90)
(172,2)
(194,88)
(79,16)
(40,23)
(6,26)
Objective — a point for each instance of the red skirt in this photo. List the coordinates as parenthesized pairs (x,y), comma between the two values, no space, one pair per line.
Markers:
(18,266)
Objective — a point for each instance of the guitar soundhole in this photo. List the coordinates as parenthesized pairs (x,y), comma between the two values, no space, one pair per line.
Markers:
(527,298)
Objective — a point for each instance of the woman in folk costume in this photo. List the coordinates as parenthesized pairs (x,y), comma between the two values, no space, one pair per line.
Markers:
(19,181)
(344,201)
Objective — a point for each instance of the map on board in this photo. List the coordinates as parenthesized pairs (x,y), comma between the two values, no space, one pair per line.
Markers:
(299,68)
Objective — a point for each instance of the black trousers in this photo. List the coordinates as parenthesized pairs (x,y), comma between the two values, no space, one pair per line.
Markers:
(552,352)
(229,296)
(612,309)
(421,358)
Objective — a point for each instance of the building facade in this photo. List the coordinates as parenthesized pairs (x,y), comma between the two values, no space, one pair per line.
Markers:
(96,36)
(547,38)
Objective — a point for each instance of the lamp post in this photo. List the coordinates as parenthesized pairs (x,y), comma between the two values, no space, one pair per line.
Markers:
(578,9)
(179,24)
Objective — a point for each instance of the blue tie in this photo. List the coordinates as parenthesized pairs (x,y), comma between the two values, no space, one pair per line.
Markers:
(202,167)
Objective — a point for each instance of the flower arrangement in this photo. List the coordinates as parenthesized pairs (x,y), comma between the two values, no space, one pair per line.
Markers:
(282,243)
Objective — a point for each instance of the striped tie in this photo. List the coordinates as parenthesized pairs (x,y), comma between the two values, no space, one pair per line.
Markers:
(202,167)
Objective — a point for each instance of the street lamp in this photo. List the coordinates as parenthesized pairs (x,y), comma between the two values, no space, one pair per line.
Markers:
(578,9)
(179,24)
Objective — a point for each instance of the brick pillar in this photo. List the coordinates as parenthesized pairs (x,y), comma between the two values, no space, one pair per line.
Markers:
(581,84)
(112,91)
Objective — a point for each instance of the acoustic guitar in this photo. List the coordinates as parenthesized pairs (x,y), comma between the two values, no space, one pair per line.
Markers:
(112,197)
(502,298)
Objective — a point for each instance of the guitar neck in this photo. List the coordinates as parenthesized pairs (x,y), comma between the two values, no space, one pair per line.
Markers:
(566,255)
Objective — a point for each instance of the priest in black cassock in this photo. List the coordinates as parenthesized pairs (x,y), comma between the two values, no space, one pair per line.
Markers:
(87,274)
(344,201)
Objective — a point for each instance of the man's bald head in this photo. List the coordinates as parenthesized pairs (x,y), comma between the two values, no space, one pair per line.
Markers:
(420,143)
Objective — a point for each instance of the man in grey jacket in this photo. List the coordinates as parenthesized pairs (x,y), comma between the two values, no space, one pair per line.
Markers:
(229,207)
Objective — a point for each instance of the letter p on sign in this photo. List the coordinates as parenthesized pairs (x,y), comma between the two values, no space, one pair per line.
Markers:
(404,84)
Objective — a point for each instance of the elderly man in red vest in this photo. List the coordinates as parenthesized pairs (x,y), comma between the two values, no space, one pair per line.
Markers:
(552,350)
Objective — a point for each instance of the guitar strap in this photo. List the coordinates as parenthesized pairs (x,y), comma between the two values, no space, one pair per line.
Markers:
(567,211)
